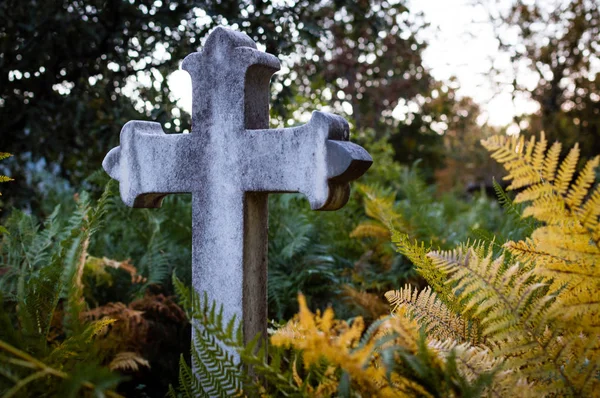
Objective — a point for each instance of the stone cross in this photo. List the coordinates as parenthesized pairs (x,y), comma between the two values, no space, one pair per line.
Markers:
(230,162)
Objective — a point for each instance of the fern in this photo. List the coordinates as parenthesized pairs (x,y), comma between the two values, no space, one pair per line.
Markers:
(44,266)
(436,278)
(215,370)
(390,358)
(566,248)
(429,311)
(130,361)
(216,373)
(298,260)
(502,299)
(536,303)
(4,155)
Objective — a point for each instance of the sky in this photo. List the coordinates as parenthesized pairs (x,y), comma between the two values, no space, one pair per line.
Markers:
(461,44)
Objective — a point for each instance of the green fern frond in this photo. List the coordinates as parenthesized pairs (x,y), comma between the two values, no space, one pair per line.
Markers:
(435,277)
(189,385)
(216,372)
(184,295)
(4,155)
(502,299)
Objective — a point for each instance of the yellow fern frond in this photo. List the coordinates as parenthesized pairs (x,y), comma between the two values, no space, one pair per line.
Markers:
(565,359)
(551,161)
(566,170)
(370,302)
(550,209)
(516,156)
(474,361)
(590,210)
(583,183)
(324,338)
(128,361)
(370,229)
(424,306)
(534,192)
(539,152)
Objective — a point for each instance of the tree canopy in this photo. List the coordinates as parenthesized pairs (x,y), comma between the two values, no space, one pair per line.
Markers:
(76,71)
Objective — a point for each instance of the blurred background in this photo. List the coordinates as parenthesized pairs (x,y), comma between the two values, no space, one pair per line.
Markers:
(421,83)
(431,77)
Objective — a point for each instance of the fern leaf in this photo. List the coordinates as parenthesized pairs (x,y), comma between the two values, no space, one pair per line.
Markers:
(500,298)
(370,230)
(189,385)
(583,183)
(424,306)
(435,277)
(566,170)
(591,210)
(551,162)
(128,361)
(474,361)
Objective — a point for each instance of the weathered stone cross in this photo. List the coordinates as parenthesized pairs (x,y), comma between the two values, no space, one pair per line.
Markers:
(230,162)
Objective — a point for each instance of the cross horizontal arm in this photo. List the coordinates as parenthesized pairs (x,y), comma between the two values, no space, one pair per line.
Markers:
(150,164)
(314,159)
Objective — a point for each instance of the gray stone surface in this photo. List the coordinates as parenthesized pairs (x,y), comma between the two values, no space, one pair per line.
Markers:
(230,162)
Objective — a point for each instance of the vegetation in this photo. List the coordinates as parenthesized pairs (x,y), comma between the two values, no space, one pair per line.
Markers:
(469,287)
(521,322)
(559,46)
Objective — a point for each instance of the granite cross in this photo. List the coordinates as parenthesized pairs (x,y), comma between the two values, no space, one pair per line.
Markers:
(230,162)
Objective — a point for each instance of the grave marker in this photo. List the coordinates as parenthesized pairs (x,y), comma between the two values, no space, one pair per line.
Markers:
(230,162)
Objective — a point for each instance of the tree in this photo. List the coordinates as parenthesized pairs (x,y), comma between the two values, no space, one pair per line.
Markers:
(558,41)
(77,70)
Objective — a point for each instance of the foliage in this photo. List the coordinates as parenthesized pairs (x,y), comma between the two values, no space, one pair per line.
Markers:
(531,310)
(4,155)
(414,211)
(54,317)
(388,359)
(42,285)
(315,355)
(149,333)
(157,241)
(311,251)
(216,343)
(298,261)
(78,71)
(560,59)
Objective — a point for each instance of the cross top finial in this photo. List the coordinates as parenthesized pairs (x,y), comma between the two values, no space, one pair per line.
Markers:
(230,82)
